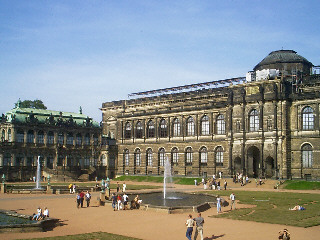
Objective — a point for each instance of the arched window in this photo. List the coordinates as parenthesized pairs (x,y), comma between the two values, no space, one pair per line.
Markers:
(163,129)
(188,156)
(149,157)
(175,156)
(139,130)
(219,156)
(126,157)
(20,136)
(190,126)
(306,155)
(162,156)
(50,137)
(150,129)
(127,130)
(60,138)
(221,125)
(307,119)
(87,139)
(40,137)
(203,156)
(50,159)
(70,138)
(9,136)
(176,128)
(19,160)
(253,120)
(30,136)
(79,139)
(205,125)
(137,157)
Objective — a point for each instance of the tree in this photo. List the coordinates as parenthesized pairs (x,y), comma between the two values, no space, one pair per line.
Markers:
(36,104)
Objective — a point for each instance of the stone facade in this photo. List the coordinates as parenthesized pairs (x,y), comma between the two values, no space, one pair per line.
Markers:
(267,128)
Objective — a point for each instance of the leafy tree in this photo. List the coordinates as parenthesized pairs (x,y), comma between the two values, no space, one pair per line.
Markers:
(36,104)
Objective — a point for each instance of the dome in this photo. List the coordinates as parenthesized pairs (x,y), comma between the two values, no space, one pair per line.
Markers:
(284,59)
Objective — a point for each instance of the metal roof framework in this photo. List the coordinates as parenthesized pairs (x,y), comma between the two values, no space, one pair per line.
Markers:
(190,87)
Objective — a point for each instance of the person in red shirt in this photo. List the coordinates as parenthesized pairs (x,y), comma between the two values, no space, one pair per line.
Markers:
(81,198)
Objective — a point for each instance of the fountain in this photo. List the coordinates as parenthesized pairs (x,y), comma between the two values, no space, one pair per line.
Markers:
(167,178)
(38,175)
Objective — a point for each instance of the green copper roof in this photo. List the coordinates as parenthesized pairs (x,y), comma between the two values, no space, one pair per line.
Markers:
(43,116)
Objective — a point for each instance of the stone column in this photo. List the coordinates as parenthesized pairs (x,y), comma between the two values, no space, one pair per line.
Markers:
(1,160)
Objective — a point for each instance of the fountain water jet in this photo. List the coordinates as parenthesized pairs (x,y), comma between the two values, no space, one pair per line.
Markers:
(38,174)
(166,177)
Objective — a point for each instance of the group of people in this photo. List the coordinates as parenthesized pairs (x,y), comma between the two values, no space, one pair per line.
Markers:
(198,223)
(41,215)
(241,178)
(213,184)
(80,198)
(121,202)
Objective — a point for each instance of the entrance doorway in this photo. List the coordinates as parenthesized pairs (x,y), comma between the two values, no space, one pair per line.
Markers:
(237,165)
(253,167)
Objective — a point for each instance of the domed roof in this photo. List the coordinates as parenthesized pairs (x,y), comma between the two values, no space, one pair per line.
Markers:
(280,57)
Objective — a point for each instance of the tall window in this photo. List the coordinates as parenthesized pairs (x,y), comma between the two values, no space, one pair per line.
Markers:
(7,159)
(70,139)
(205,125)
(78,139)
(149,157)
(219,156)
(20,136)
(126,157)
(162,156)
(307,156)
(176,130)
(139,130)
(190,126)
(9,136)
(253,121)
(30,136)
(189,156)
(50,138)
(175,156)
(87,139)
(150,129)
(163,130)
(3,136)
(137,157)
(307,119)
(203,155)
(127,130)
(221,124)
(40,137)
(95,140)
(60,138)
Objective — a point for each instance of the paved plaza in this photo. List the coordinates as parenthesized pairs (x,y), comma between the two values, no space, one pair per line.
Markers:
(141,224)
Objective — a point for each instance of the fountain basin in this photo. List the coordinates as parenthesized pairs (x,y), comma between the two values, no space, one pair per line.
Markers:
(14,222)
(176,203)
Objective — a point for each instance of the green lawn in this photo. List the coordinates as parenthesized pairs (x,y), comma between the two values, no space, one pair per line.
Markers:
(93,236)
(273,207)
(176,180)
(301,185)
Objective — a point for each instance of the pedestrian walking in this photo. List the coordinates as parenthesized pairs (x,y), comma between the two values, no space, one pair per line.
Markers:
(81,198)
(199,226)
(189,225)
(225,184)
(78,200)
(124,186)
(114,201)
(233,203)
(88,197)
(218,204)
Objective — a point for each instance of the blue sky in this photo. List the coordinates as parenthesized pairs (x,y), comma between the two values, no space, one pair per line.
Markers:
(83,53)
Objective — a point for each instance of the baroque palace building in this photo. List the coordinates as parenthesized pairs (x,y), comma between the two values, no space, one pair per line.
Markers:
(69,145)
(264,125)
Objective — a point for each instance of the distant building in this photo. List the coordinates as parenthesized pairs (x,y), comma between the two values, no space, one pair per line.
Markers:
(68,144)
(265,124)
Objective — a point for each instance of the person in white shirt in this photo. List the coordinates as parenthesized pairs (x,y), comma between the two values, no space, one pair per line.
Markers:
(46,212)
(233,198)
(38,215)
(125,201)
(124,186)
(189,224)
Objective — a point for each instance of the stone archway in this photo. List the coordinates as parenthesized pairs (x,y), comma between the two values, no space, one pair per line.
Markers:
(253,158)
(269,167)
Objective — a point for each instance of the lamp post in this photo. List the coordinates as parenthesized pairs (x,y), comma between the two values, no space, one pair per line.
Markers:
(48,180)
